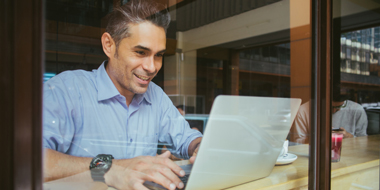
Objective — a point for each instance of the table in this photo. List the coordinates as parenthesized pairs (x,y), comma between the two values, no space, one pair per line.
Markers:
(358,168)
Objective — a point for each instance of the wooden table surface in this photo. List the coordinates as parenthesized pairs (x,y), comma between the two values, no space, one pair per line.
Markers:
(358,167)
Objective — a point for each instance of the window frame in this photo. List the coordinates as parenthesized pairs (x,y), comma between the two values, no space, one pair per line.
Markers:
(320,141)
(23,30)
(22,49)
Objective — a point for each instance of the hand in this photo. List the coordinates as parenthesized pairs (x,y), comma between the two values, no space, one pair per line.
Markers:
(344,132)
(192,158)
(132,173)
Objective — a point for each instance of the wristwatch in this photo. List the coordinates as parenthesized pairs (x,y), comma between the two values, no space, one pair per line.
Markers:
(100,165)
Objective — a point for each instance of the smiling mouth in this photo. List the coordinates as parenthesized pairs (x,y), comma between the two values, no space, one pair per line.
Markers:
(142,77)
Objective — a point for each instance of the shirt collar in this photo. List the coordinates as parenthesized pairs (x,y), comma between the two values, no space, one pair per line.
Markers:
(140,97)
(107,90)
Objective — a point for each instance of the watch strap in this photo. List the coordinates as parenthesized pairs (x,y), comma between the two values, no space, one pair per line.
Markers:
(98,177)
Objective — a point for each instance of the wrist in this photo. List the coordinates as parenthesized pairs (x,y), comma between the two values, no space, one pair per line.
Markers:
(109,177)
(194,145)
(116,174)
(99,166)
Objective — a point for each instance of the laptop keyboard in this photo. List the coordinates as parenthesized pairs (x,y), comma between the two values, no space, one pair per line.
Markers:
(184,180)
(154,186)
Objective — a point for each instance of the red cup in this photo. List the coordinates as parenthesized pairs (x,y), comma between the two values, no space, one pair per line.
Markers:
(336,146)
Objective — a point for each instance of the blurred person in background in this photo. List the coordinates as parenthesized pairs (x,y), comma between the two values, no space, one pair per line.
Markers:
(347,116)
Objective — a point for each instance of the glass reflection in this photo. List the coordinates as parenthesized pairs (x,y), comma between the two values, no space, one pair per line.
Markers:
(356,82)
(254,48)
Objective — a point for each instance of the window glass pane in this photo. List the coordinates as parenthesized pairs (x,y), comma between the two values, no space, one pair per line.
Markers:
(234,72)
(356,96)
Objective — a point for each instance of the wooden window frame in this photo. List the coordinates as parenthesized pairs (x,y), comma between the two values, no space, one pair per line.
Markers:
(21,98)
(21,69)
(320,141)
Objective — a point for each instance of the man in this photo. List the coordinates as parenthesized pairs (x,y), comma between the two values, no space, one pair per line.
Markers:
(348,116)
(113,117)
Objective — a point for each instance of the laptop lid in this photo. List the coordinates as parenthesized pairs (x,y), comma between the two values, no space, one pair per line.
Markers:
(242,140)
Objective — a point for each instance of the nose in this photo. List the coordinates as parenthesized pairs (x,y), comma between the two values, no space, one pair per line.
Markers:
(149,65)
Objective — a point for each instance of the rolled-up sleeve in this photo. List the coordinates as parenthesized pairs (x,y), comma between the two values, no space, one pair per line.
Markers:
(58,126)
(175,130)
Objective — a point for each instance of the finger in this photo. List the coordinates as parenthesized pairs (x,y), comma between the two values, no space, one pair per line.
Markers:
(157,177)
(168,173)
(170,164)
(165,155)
(192,159)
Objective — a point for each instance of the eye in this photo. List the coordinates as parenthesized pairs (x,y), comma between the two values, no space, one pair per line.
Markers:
(160,55)
(140,52)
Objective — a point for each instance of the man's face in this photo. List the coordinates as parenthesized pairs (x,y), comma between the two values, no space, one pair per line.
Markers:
(139,58)
(336,106)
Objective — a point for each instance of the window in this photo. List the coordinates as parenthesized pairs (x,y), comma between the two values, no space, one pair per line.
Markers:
(356,81)
(262,48)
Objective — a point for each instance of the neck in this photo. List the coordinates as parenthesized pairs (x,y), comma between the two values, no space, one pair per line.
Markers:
(128,99)
(126,93)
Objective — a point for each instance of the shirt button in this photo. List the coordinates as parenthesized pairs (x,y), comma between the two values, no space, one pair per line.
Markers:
(131,140)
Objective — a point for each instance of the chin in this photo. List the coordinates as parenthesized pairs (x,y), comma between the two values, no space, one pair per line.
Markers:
(140,90)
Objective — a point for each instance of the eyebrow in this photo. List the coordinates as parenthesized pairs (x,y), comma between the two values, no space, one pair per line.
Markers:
(147,49)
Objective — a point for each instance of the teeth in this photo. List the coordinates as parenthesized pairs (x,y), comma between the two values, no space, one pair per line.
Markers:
(141,77)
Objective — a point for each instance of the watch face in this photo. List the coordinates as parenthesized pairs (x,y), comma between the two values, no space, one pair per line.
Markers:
(101,164)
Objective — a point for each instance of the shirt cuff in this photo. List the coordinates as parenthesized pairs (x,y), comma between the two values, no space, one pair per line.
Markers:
(185,149)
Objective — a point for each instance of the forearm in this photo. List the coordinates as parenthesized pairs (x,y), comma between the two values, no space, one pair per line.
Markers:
(58,165)
(299,132)
(193,145)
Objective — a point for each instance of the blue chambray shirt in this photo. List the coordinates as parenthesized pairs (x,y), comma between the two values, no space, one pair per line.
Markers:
(85,115)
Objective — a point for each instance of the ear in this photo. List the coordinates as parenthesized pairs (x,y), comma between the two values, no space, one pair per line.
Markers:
(109,46)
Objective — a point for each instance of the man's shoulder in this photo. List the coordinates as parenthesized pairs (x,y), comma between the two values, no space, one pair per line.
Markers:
(73,76)
(354,105)
(77,74)
(71,81)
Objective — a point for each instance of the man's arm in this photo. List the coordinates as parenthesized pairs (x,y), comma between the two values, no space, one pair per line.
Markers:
(193,148)
(124,173)
(344,132)
(58,165)
(299,132)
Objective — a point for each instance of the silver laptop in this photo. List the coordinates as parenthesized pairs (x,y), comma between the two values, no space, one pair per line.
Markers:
(242,140)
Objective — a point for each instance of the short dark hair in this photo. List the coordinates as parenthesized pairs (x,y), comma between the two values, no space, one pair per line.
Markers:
(339,97)
(135,11)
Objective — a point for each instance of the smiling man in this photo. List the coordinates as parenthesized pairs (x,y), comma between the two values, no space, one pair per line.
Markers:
(110,120)
(137,59)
